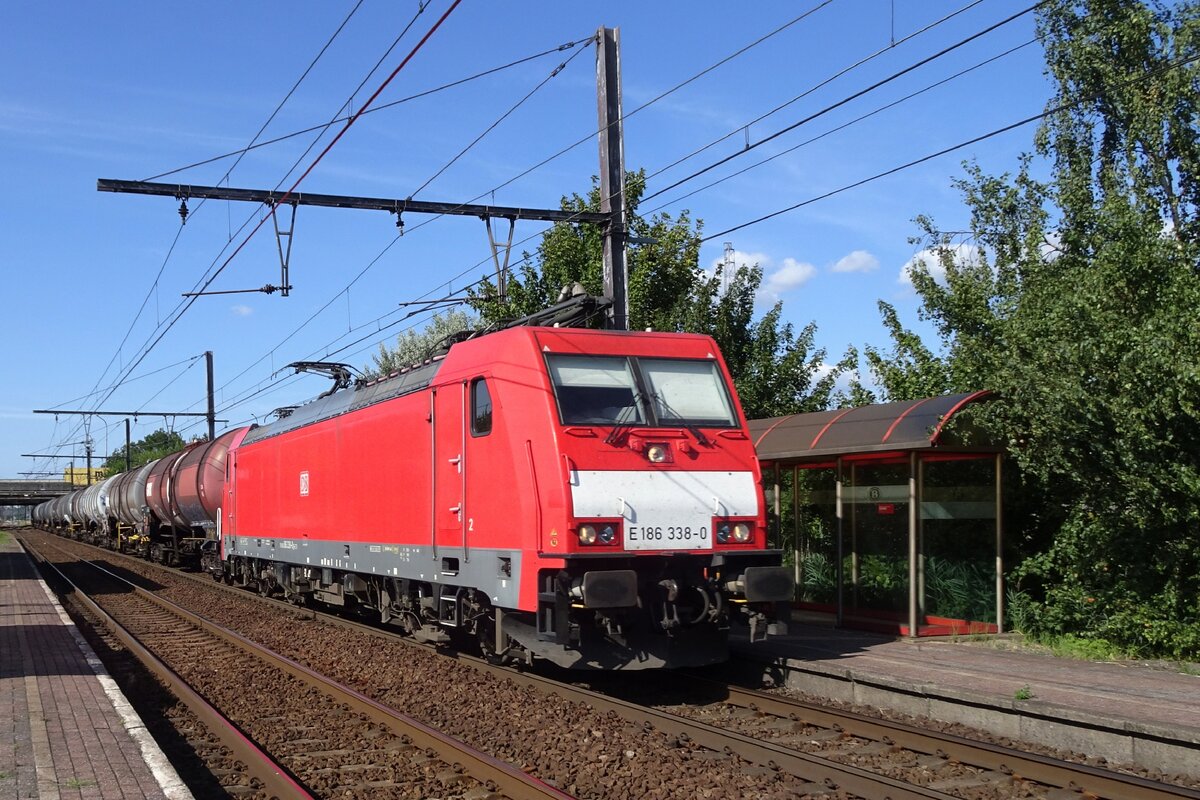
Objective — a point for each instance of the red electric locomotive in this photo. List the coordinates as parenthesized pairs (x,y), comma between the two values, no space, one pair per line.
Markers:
(587,497)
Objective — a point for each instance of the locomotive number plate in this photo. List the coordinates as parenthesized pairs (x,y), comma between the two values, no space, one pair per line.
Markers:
(666,537)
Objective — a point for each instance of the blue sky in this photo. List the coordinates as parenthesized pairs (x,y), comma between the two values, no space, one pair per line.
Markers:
(130,90)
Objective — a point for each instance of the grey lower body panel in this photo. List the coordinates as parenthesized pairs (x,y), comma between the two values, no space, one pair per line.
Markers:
(496,572)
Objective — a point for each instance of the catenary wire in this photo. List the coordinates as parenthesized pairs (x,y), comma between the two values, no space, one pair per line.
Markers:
(184,306)
(553,73)
(846,100)
(944,151)
(815,87)
(841,127)
(588,137)
(551,158)
(179,231)
(131,380)
(1012,126)
(384,106)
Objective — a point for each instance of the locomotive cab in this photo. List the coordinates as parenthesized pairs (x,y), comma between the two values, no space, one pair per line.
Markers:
(662,539)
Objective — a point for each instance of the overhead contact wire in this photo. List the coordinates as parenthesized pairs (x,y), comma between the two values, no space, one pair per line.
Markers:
(454,4)
(841,127)
(179,232)
(551,158)
(844,71)
(846,100)
(553,74)
(944,151)
(376,109)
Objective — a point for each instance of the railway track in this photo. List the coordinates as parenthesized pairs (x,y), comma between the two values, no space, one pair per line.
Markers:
(299,734)
(824,752)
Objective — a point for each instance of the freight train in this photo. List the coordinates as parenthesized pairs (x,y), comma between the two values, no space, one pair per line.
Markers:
(590,498)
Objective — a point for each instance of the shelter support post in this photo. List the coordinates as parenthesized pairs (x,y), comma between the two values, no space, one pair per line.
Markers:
(854,577)
(912,543)
(921,605)
(777,502)
(797,566)
(999,550)
(841,578)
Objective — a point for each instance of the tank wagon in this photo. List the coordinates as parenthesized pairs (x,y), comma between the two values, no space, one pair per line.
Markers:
(590,498)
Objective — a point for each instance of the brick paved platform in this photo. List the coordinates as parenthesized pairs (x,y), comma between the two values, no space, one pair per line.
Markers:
(1123,712)
(66,731)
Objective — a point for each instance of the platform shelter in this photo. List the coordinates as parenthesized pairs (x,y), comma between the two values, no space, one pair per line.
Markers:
(892,520)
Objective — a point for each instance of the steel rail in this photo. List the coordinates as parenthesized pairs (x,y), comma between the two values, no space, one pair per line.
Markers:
(1090,780)
(509,780)
(275,779)
(815,770)
(1031,766)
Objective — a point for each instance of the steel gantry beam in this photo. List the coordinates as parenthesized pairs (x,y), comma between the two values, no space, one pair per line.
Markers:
(395,206)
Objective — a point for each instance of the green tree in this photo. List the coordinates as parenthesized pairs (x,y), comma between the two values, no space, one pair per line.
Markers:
(156,445)
(1080,313)
(413,347)
(776,370)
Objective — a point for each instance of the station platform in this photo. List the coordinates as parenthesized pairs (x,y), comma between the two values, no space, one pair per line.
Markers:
(1122,712)
(66,730)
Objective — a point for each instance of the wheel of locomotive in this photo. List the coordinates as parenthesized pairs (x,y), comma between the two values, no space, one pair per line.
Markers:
(156,553)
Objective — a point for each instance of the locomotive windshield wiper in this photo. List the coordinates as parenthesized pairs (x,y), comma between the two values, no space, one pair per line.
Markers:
(625,420)
(691,426)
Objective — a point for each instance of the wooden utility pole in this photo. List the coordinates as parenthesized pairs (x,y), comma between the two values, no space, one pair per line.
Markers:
(612,175)
(212,414)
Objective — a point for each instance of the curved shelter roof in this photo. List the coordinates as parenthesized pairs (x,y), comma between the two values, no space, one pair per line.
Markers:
(879,428)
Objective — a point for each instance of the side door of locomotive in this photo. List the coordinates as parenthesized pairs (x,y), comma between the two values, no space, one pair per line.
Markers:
(449,476)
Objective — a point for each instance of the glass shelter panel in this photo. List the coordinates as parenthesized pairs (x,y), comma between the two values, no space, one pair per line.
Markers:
(958,539)
(815,549)
(875,555)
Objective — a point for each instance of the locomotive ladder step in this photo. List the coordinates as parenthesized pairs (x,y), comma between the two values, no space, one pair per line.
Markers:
(448,601)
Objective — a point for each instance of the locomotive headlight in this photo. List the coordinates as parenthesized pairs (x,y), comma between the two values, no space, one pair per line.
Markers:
(607,534)
(656,453)
(588,534)
(741,533)
(724,530)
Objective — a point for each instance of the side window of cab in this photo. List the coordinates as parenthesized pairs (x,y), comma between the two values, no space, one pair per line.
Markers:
(481,408)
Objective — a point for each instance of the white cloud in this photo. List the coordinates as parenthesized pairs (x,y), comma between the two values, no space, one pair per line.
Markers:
(857,261)
(1052,246)
(242,311)
(777,279)
(962,254)
(789,276)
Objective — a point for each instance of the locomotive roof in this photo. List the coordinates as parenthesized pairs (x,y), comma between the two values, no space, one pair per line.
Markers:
(347,400)
(419,377)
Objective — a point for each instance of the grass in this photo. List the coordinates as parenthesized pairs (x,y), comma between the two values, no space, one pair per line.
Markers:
(79,783)
(1069,646)
(1024,693)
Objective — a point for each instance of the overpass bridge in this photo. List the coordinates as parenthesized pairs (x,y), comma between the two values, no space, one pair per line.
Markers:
(31,493)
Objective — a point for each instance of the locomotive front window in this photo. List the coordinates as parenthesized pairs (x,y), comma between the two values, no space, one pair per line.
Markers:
(689,392)
(617,390)
(595,390)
